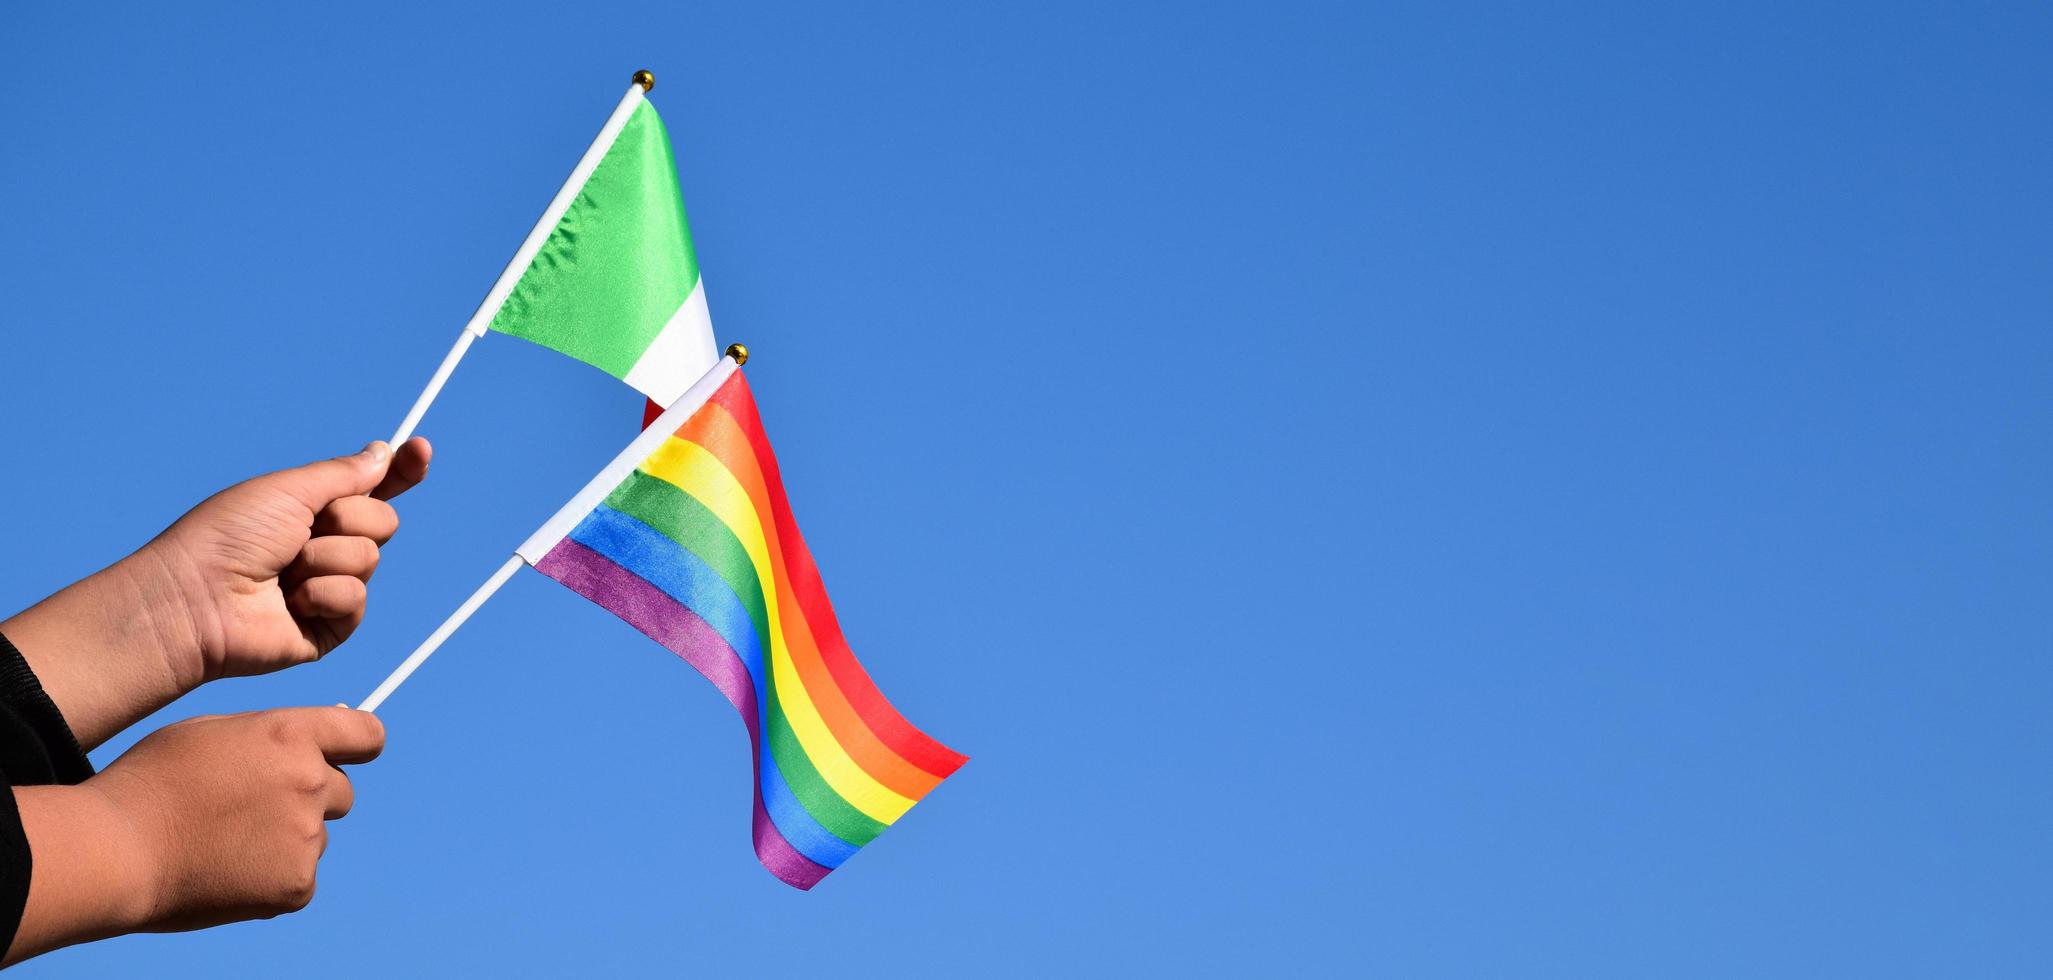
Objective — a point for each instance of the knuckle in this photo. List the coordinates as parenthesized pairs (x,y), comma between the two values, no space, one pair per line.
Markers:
(370,517)
(298,893)
(336,593)
(311,593)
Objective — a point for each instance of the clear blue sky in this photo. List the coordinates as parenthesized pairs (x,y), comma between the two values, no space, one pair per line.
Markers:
(1421,490)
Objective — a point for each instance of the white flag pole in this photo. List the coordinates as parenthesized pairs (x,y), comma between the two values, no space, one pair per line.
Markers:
(427,648)
(559,524)
(637,88)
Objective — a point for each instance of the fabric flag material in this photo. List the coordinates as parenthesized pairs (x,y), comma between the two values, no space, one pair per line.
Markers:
(688,536)
(616,283)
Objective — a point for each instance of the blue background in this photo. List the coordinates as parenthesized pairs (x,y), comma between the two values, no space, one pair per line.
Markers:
(1399,489)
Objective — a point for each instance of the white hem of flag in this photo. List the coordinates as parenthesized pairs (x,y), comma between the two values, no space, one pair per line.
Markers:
(559,525)
(681,352)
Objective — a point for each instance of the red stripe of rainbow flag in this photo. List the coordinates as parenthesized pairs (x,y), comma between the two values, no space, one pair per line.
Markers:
(696,547)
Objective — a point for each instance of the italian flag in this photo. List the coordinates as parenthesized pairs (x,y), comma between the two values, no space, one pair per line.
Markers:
(615,283)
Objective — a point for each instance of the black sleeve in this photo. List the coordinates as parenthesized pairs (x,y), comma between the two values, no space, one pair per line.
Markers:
(36,749)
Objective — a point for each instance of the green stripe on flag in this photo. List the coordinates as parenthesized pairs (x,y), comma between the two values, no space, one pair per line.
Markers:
(679,516)
(618,264)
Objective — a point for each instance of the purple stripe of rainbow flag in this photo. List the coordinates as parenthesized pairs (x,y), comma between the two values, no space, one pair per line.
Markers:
(696,547)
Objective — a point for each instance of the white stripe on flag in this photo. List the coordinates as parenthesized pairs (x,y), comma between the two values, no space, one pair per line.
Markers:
(678,355)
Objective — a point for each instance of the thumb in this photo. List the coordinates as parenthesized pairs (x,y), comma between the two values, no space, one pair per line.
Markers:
(318,484)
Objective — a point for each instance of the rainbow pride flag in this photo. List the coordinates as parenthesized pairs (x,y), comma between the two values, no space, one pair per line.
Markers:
(688,537)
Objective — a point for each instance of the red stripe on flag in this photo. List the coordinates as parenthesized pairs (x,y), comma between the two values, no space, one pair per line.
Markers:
(911,744)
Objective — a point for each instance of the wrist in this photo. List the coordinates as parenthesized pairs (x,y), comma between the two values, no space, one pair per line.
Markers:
(112,647)
(94,872)
(131,817)
(165,620)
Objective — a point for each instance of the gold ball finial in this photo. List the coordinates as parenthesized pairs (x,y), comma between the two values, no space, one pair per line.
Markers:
(644,78)
(739,352)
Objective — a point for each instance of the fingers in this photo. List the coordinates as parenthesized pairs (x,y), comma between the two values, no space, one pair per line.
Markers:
(361,517)
(341,796)
(409,466)
(316,485)
(327,611)
(348,736)
(328,597)
(345,736)
(335,555)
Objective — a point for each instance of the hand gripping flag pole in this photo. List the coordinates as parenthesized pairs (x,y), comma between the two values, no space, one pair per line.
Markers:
(585,500)
(638,87)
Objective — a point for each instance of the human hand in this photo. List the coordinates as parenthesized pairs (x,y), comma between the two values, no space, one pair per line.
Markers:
(230,811)
(272,571)
(208,821)
(265,574)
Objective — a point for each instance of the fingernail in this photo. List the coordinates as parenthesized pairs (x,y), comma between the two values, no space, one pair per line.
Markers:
(378,451)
